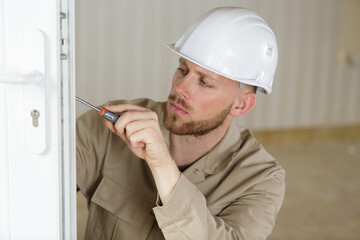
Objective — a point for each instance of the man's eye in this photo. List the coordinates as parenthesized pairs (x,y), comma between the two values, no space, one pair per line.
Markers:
(203,83)
(182,71)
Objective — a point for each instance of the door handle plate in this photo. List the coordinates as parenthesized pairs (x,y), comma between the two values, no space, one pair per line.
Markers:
(34,95)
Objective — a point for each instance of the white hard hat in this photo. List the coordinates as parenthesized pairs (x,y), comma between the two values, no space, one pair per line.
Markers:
(233,42)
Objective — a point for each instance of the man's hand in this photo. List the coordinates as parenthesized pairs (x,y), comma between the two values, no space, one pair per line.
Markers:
(142,135)
(139,128)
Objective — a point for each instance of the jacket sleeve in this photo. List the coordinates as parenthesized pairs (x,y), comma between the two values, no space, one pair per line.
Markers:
(251,216)
(91,141)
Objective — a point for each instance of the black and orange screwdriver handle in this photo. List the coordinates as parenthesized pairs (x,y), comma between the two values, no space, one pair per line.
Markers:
(112,117)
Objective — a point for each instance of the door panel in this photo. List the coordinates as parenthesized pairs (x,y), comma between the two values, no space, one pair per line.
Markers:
(37,188)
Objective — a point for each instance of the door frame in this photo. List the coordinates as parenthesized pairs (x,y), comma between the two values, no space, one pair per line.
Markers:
(68,158)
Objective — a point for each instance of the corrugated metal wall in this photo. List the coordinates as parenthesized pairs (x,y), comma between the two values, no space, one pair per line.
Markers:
(119,55)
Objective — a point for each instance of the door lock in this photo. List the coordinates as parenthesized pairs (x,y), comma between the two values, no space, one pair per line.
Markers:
(35,114)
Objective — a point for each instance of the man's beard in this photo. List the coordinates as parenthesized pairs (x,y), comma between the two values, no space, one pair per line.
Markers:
(196,128)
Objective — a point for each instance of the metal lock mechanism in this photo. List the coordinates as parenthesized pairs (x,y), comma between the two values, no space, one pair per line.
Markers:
(35,114)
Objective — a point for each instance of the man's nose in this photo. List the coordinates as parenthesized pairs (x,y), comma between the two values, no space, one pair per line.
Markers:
(183,88)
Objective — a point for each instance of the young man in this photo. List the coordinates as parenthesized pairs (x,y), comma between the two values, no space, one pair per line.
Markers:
(183,169)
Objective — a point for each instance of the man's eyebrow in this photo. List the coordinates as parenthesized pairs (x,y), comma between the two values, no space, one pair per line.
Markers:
(203,75)
(182,61)
(209,78)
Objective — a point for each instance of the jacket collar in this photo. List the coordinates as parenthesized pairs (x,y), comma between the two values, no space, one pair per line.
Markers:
(222,154)
(214,161)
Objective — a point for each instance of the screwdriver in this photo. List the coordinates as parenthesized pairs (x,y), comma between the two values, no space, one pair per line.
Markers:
(112,117)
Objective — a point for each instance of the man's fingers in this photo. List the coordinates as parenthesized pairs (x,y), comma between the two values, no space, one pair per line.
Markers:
(110,126)
(139,133)
(125,107)
(138,139)
(137,126)
(132,116)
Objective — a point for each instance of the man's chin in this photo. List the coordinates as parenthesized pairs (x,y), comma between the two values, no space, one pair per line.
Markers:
(197,128)
(192,128)
(173,123)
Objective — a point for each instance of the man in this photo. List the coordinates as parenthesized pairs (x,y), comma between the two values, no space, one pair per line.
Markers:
(183,169)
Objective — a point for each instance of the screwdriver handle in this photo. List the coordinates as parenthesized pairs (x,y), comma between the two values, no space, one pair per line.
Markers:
(112,117)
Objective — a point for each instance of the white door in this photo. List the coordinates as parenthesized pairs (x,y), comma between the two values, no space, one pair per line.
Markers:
(37,146)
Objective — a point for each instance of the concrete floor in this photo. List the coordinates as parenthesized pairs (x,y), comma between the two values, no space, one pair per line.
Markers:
(322,198)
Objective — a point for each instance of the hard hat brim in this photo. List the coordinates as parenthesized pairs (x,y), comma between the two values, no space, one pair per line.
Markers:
(265,89)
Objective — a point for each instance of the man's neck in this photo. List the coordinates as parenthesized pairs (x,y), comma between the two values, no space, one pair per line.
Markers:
(187,149)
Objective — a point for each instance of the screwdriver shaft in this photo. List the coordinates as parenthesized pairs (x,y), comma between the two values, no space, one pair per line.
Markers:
(87,104)
(108,115)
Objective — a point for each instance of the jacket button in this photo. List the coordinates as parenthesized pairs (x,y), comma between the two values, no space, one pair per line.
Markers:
(196,171)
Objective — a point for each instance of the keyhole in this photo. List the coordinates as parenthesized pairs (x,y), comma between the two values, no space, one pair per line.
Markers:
(35,115)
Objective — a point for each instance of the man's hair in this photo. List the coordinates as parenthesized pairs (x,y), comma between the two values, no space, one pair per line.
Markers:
(253,88)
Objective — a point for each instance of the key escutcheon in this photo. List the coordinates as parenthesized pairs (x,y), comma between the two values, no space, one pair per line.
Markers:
(35,114)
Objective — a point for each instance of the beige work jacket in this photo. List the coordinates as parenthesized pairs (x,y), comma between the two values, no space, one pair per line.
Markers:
(233,192)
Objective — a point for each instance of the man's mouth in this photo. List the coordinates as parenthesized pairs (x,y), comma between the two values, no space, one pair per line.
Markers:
(177,109)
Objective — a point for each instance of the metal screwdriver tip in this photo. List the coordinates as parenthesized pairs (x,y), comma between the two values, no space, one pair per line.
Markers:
(87,104)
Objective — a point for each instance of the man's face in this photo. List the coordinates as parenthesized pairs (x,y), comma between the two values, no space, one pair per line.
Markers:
(199,101)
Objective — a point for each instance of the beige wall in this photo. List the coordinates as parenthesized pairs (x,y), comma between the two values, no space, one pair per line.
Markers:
(349,47)
(119,54)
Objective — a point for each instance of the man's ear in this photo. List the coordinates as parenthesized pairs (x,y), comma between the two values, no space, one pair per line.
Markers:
(243,104)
